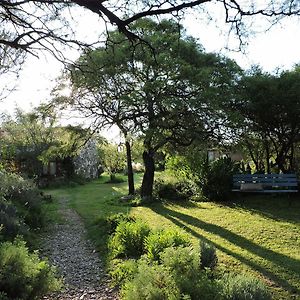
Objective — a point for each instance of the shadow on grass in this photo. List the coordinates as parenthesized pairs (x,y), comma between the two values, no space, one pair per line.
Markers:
(282,261)
(276,207)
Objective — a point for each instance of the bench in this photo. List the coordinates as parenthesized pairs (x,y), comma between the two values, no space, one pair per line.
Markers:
(265,183)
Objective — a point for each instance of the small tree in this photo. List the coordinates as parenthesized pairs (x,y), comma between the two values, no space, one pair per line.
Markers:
(113,159)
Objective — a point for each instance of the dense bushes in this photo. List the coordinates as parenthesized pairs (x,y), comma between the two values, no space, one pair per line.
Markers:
(175,189)
(217,179)
(166,266)
(151,282)
(241,287)
(23,275)
(196,177)
(128,239)
(20,200)
(159,240)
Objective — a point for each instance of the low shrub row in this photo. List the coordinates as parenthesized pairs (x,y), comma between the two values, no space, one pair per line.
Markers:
(23,275)
(163,264)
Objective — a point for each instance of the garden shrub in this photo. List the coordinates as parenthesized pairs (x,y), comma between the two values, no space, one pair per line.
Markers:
(25,197)
(3,296)
(11,224)
(114,220)
(122,271)
(208,256)
(128,239)
(29,205)
(176,189)
(159,240)
(243,287)
(151,282)
(23,275)
(217,179)
(183,263)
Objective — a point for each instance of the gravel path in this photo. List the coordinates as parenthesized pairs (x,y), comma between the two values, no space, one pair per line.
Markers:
(68,249)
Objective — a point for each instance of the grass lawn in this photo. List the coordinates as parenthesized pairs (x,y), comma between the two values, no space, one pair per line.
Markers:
(253,234)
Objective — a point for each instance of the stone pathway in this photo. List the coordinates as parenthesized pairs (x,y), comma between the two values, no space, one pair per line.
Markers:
(78,263)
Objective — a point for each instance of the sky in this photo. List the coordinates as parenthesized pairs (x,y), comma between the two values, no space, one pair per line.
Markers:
(277,48)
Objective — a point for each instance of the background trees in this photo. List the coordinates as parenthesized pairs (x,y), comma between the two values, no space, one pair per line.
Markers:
(270,106)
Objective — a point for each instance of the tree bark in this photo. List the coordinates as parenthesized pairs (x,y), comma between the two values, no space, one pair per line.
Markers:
(131,189)
(148,179)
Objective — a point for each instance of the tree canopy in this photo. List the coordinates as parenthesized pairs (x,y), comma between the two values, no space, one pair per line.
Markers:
(270,109)
(168,94)
(35,24)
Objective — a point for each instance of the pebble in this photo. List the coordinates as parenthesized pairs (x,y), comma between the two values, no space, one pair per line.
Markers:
(77,261)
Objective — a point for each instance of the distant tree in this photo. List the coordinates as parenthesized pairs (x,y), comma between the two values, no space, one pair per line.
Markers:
(36,139)
(112,158)
(270,106)
(167,94)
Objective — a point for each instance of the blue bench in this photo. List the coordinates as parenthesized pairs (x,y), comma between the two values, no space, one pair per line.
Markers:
(265,183)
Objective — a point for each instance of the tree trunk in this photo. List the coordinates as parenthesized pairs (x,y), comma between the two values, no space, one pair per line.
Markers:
(267,148)
(129,169)
(148,179)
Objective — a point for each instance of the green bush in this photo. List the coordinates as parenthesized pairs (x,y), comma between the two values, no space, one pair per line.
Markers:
(217,179)
(3,296)
(114,220)
(176,189)
(208,256)
(242,287)
(122,271)
(128,239)
(11,224)
(159,240)
(22,274)
(25,197)
(29,205)
(151,282)
(183,263)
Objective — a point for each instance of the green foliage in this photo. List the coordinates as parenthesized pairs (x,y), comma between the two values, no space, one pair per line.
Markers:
(11,224)
(112,158)
(208,256)
(159,240)
(183,263)
(242,287)
(217,181)
(269,110)
(20,205)
(114,220)
(151,282)
(176,189)
(23,275)
(128,239)
(122,271)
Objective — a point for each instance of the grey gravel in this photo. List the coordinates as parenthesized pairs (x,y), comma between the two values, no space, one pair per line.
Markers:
(67,248)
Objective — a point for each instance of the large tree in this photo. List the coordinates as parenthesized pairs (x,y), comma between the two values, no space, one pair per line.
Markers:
(165,94)
(34,24)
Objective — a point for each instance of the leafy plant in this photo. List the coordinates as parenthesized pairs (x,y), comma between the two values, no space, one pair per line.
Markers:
(183,263)
(123,271)
(243,287)
(159,240)
(217,180)
(114,220)
(176,189)
(23,275)
(208,256)
(128,239)
(151,282)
